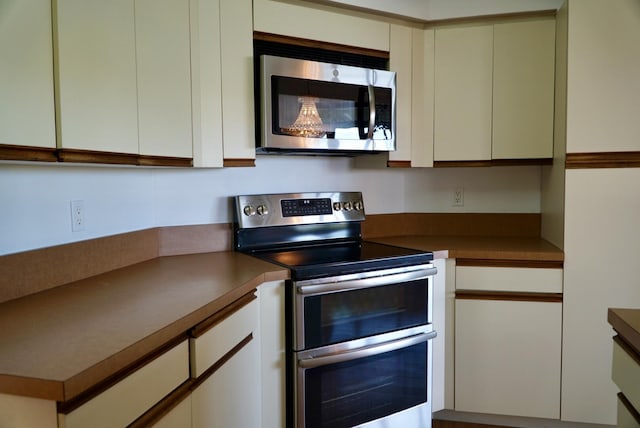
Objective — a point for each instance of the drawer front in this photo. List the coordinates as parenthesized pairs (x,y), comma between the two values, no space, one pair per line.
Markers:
(627,417)
(516,279)
(121,404)
(212,345)
(626,373)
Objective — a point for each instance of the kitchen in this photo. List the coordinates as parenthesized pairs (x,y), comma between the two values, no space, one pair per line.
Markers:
(123,199)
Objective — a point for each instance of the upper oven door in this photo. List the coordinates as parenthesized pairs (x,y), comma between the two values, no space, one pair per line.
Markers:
(339,309)
(313,106)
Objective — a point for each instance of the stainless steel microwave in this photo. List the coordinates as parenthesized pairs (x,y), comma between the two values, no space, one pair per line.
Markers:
(309,107)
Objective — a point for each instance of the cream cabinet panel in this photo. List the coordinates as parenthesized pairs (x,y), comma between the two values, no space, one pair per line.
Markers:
(509,279)
(96,75)
(523,89)
(272,350)
(27,116)
(238,117)
(231,396)
(122,403)
(400,61)
(206,77)
(603,97)
(163,77)
(178,417)
(463,93)
(422,107)
(321,23)
(221,338)
(626,374)
(27,412)
(507,357)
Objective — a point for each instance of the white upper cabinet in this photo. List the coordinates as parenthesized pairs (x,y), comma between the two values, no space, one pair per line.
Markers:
(494,90)
(163,77)
(27,115)
(523,89)
(321,23)
(96,76)
(124,76)
(400,61)
(463,93)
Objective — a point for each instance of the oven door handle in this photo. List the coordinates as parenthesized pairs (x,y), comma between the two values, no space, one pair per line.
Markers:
(375,281)
(367,351)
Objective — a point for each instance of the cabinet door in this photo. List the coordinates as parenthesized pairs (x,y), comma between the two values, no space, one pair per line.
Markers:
(96,76)
(463,93)
(26,74)
(507,357)
(163,77)
(400,61)
(238,116)
(178,417)
(230,397)
(523,89)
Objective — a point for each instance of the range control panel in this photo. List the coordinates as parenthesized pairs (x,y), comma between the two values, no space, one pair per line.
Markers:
(298,208)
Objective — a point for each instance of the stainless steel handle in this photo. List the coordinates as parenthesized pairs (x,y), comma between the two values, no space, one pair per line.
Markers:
(372,111)
(366,282)
(368,351)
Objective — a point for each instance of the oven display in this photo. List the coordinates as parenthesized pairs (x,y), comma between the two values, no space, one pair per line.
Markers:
(305,207)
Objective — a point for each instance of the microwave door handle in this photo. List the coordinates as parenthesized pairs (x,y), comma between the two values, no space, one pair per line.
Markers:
(368,351)
(372,111)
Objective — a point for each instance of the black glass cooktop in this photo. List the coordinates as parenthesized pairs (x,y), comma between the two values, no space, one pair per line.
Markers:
(317,261)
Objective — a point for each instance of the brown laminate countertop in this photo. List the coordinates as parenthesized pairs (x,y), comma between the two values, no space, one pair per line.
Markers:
(60,342)
(627,323)
(480,247)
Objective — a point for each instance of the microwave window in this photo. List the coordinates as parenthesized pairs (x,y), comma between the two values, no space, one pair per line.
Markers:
(318,109)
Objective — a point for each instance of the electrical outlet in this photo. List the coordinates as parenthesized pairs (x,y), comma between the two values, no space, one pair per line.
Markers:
(77,216)
(458,197)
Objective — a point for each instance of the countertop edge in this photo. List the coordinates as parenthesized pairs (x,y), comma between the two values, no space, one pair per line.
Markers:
(626,328)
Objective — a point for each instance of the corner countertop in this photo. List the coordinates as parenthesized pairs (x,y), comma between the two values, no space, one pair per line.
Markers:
(60,342)
(530,249)
(626,322)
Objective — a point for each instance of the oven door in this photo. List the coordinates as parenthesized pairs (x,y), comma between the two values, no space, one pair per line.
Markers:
(344,308)
(381,381)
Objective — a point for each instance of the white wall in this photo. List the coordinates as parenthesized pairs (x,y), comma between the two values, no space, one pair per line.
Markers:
(35,198)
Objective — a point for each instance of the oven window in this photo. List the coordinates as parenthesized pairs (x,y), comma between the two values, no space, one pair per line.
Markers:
(354,392)
(339,317)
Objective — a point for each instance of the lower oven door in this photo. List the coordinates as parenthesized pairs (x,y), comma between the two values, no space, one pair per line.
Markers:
(380,381)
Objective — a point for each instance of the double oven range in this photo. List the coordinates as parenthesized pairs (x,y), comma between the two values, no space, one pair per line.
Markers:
(358,313)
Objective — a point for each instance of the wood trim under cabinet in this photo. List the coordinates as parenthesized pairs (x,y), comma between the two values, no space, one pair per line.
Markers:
(535,264)
(398,164)
(90,156)
(298,41)
(216,366)
(238,163)
(146,160)
(223,314)
(493,162)
(602,160)
(515,296)
(162,408)
(26,153)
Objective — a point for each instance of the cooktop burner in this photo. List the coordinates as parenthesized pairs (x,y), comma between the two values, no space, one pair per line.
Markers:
(343,258)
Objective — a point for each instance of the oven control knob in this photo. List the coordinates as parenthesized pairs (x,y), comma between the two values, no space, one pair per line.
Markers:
(357,205)
(262,210)
(249,210)
(347,205)
(337,206)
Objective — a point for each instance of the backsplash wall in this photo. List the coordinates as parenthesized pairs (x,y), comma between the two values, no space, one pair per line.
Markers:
(35,198)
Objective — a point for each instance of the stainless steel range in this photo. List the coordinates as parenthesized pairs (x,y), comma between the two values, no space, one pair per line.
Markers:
(359,313)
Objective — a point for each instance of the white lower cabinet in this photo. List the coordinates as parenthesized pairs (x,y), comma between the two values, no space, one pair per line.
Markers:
(128,399)
(508,341)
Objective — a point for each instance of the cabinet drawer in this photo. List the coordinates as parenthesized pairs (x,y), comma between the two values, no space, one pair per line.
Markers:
(516,279)
(628,417)
(212,344)
(121,404)
(626,372)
